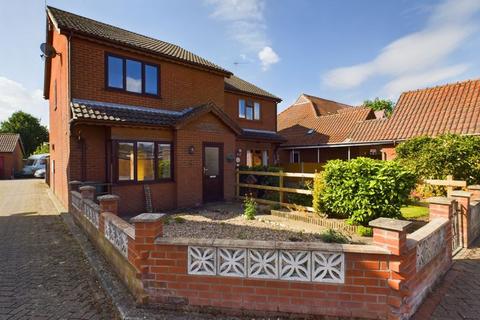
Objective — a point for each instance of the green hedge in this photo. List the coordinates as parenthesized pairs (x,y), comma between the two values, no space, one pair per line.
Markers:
(435,158)
(364,189)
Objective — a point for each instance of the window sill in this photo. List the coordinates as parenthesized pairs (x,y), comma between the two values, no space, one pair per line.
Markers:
(145,95)
(129,183)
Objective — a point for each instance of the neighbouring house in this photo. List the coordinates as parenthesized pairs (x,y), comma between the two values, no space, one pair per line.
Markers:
(128,111)
(353,132)
(11,155)
(317,130)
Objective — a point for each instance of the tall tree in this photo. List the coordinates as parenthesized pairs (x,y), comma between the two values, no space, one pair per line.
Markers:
(33,133)
(380,104)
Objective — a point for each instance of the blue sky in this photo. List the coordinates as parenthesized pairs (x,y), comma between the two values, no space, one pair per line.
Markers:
(342,50)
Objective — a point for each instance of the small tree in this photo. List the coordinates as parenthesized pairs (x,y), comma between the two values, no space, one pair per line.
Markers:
(380,104)
(43,148)
(33,134)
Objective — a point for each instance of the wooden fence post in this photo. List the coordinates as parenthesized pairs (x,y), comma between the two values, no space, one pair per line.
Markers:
(237,186)
(280,185)
(449,187)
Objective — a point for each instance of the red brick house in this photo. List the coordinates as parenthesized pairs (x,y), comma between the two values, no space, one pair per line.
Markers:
(353,132)
(11,155)
(127,110)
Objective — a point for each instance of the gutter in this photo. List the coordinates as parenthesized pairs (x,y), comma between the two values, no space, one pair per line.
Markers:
(340,145)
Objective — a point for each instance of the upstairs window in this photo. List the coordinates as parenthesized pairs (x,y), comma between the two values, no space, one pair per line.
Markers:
(241,108)
(132,76)
(248,110)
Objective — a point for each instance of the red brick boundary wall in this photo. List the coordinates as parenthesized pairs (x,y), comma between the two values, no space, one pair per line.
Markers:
(386,280)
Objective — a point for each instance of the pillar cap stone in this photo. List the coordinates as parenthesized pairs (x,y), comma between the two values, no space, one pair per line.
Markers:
(147,217)
(461,194)
(75,182)
(474,187)
(389,224)
(108,197)
(440,200)
(87,188)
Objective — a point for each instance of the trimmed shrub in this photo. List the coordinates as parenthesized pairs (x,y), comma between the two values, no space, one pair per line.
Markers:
(365,231)
(364,189)
(435,158)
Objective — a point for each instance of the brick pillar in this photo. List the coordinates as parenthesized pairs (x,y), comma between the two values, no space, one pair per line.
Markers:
(390,234)
(440,207)
(108,203)
(463,200)
(87,192)
(475,190)
(75,185)
(148,226)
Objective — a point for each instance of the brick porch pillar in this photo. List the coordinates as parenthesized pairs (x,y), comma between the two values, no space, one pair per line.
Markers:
(109,203)
(463,200)
(87,192)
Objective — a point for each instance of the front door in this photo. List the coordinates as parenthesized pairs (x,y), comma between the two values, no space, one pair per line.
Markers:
(212,172)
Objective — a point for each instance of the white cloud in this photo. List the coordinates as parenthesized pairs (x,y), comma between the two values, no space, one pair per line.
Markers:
(14,97)
(419,80)
(246,24)
(419,56)
(268,57)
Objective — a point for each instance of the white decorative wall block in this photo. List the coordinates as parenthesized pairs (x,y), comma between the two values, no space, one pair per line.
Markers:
(263,264)
(91,211)
(291,265)
(202,260)
(77,201)
(117,237)
(328,267)
(295,265)
(232,262)
(428,248)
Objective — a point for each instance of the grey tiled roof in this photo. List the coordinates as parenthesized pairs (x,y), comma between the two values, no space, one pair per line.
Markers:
(236,84)
(8,141)
(82,25)
(96,111)
(261,135)
(93,111)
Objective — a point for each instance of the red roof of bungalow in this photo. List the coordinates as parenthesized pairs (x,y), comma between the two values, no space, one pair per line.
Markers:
(450,108)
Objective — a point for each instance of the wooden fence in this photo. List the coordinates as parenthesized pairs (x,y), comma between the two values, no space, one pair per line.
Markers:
(281,189)
(449,183)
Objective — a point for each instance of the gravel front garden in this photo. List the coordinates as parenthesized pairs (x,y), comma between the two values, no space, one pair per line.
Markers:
(226,221)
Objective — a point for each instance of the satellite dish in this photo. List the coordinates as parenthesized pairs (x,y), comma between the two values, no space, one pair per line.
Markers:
(47,51)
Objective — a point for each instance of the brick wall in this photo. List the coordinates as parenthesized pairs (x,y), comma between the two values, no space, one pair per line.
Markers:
(12,163)
(386,280)
(181,86)
(268,111)
(59,119)
(189,167)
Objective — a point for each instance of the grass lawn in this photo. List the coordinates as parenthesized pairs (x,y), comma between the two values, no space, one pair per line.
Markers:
(414,212)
